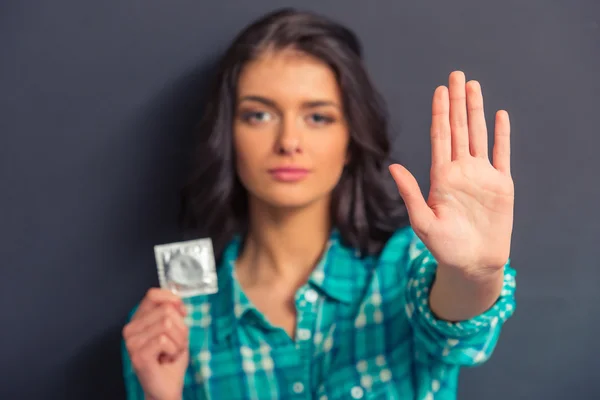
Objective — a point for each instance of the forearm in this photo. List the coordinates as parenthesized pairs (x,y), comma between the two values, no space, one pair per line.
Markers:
(456,297)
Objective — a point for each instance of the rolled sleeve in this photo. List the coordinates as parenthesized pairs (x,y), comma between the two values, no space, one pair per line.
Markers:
(466,343)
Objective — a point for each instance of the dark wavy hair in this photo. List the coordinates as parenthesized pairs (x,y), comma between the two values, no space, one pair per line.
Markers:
(364,210)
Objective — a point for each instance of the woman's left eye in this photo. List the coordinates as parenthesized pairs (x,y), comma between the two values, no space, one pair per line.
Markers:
(320,119)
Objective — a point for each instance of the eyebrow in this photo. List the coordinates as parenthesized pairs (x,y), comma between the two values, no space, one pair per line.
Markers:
(271,103)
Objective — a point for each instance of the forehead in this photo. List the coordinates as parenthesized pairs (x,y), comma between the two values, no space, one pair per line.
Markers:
(288,75)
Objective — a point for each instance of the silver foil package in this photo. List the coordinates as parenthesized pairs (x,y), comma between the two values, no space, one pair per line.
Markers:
(187,268)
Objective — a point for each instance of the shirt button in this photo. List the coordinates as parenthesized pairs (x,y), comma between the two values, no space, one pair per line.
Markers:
(298,387)
(303,334)
(357,392)
(311,296)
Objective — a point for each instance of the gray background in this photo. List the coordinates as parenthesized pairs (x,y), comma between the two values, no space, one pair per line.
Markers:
(96,104)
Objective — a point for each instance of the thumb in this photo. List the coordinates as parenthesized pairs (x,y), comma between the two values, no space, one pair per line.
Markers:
(418,211)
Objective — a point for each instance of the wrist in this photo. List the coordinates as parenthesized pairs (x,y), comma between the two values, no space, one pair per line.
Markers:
(472,277)
(459,296)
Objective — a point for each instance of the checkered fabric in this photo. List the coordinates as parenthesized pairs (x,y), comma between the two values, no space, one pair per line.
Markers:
(364,331)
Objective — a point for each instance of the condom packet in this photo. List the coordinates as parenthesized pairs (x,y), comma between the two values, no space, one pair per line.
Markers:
(187,268)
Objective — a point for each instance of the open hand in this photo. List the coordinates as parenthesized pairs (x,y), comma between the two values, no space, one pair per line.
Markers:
(467,220)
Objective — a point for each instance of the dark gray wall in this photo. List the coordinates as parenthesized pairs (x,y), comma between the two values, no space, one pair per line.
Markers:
(96,104)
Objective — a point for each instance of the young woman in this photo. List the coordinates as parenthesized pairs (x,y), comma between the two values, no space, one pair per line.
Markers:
(330,287)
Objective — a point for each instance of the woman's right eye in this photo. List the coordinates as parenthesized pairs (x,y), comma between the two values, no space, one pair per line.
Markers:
(255,116)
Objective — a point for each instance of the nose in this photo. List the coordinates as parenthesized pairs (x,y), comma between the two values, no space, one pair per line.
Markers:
(289,140)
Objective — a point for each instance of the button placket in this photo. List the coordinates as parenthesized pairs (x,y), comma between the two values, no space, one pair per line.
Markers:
(306,305)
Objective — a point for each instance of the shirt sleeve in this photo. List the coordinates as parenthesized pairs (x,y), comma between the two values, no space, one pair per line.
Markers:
(465,343)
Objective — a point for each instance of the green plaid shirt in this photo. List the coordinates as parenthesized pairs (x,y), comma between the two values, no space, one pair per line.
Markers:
(364,331)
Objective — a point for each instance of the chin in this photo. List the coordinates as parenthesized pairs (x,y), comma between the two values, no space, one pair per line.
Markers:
(291,203)
(291,199)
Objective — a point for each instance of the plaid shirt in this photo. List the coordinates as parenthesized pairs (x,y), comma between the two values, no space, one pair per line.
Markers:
(364,331)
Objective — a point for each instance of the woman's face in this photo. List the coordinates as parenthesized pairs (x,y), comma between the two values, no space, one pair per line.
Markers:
(290,132)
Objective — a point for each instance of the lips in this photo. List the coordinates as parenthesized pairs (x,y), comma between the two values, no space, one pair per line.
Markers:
(289,174)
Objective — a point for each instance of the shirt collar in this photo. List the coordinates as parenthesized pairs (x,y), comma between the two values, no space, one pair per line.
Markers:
(339,275)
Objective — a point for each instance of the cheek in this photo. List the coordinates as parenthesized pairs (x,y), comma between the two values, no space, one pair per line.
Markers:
(331,158)
(337,148)
(248,156)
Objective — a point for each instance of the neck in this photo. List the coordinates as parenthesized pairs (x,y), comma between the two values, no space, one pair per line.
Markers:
(284,245)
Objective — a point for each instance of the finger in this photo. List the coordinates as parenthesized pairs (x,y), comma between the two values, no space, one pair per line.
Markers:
(172,326)
(177,334)
(155,297)
(152,352)
(157,316)
(501,155)
(458,115)
(476,117)
(419,212)
(441,144)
